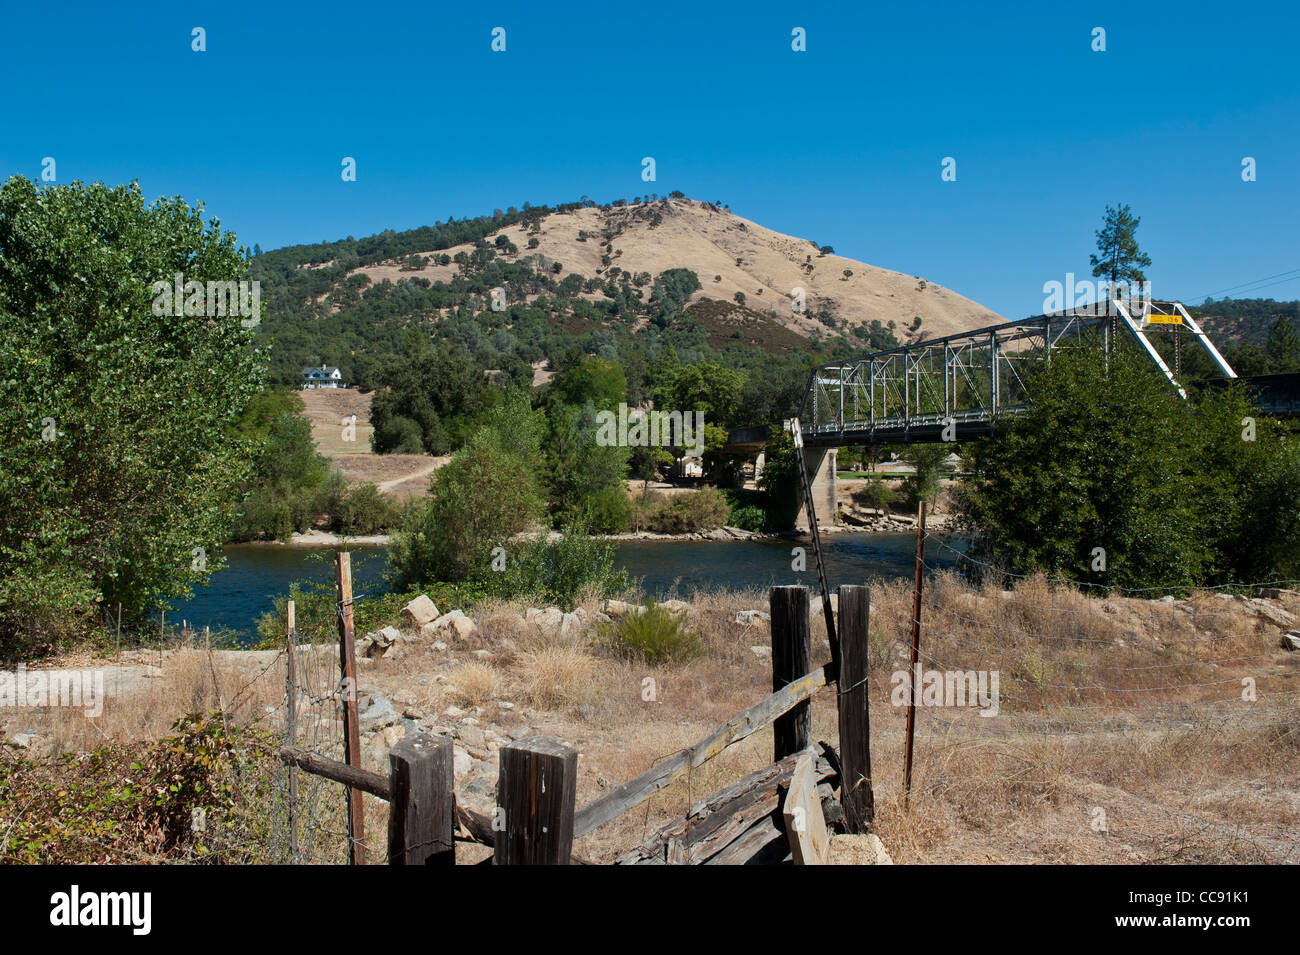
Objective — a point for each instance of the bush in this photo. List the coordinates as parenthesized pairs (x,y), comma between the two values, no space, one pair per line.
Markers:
(687,513)
(561,570)
(608,511)
(478,501)
(363,510)
(652,636)
(748,518)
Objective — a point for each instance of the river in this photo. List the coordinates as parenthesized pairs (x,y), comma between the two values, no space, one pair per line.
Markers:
(256,575)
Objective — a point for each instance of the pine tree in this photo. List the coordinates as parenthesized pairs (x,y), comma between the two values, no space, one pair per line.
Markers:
(1118,257)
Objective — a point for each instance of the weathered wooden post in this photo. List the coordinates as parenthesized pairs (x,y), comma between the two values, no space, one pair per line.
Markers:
(791,659)
(421,802)
(916,648)
(351,724)
(536,790)
(291,726)
(855,723)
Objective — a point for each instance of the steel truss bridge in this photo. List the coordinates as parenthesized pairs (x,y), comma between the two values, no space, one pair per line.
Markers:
(961,386)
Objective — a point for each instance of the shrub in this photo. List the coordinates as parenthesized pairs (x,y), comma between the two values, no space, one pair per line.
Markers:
(608,511)
(561,570)
(478,501)
(686,513)
(363,510)
(652,636)
(748,518)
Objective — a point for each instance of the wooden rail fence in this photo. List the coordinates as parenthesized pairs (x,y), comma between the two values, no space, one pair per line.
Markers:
(780,811)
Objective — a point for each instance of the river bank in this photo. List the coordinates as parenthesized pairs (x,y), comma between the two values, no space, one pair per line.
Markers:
(851,521)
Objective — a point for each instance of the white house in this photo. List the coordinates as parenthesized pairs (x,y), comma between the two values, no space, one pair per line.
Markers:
(322,377)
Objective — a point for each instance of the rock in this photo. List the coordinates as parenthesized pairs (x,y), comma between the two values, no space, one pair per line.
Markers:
(472,737)
(482,654)
(439,645)
(419,612)
(455,622)
(763,653)
(1291,641)
(520,732)
(1277,593)
(680,607)
(859,850)
(453,712)
(375,713)
(752,618)
(1274,615)
(617,608)
(462,762)
(1166,599)
(22,740)
(506,705)
(571,624)
(393,735)
(552,618)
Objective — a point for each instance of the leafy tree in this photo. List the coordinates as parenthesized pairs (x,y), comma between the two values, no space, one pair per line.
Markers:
(926,461)
(1117,460)
(598,380)
(1283,347)
(477,501)
(1118,258)
(580,469)
(120,476)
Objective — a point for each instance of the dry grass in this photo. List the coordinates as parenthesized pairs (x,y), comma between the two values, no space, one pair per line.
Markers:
(474,684)
(1111,708)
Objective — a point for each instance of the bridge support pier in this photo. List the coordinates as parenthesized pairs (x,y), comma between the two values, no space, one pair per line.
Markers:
(824,481)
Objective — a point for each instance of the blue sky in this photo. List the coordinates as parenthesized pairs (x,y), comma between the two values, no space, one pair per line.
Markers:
(841,144)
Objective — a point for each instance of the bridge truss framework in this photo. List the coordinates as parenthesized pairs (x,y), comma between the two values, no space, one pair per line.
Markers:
(961,385)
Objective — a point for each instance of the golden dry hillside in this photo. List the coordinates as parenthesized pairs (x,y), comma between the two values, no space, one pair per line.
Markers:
(730,255)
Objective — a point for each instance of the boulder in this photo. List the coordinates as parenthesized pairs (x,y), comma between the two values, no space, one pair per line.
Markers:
(455,622)
(752,618)
(762,652)
(462,763)
(1291,641)
(679,607)
(1274,615)
(419,612)
(376,712)
(552,618)
(617,608)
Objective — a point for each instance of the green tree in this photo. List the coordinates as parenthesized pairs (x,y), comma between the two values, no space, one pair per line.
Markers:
(477,501)
(598,380)
(926,461)
(1116,460)
(1118,258)
(120,474)
(1283,347)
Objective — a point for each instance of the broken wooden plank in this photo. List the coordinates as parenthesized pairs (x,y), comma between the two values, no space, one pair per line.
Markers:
(805,826)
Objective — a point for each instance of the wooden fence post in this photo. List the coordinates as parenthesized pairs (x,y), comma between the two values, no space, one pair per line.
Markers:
(351,724)
(791,659)
(421,808)
(291,725)
(536,788)
(916,647)
(855,722)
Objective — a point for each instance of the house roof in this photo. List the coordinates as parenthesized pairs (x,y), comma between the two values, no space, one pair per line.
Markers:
(320,372)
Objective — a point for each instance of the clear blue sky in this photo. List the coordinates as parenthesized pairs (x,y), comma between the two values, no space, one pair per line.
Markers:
(840,144)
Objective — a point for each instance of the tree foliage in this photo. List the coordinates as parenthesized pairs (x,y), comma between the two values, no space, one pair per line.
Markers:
(120,476)
(1112,458)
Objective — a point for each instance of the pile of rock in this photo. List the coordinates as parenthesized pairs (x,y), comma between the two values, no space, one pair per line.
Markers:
(422,621)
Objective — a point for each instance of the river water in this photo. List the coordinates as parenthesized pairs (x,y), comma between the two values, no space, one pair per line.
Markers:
(256,575)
